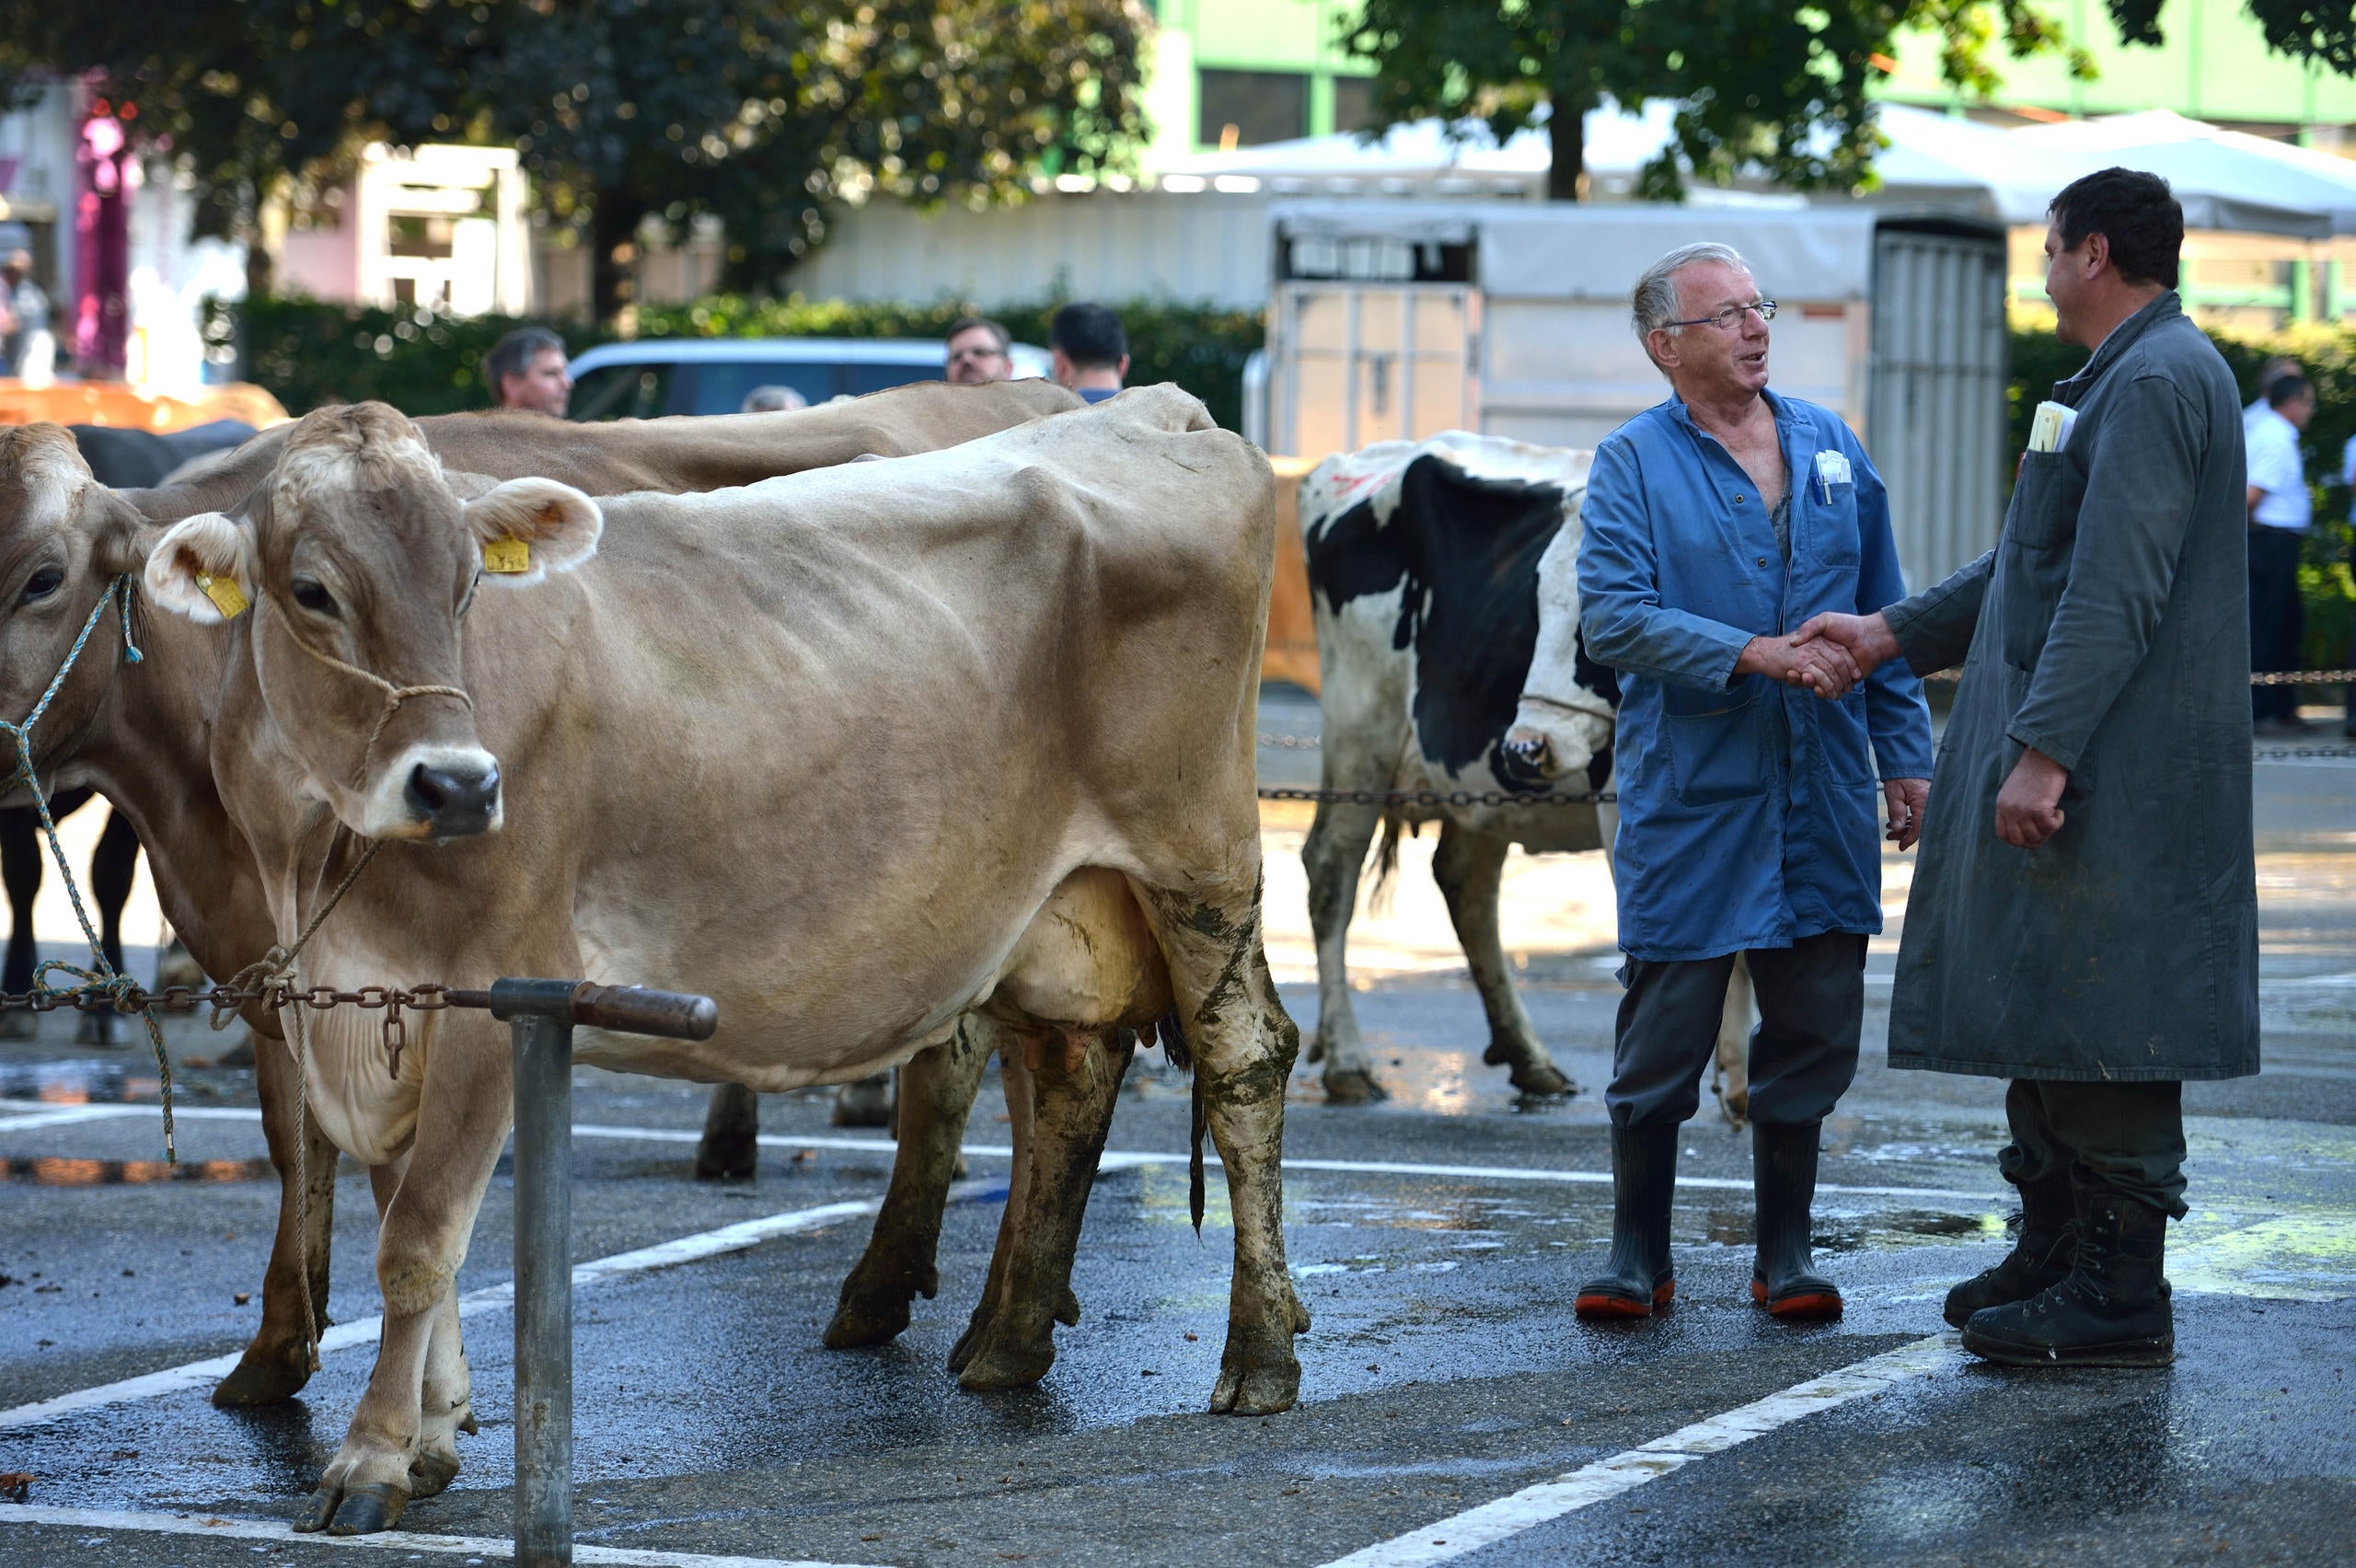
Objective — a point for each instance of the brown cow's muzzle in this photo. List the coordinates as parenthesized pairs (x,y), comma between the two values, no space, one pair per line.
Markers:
(455,796)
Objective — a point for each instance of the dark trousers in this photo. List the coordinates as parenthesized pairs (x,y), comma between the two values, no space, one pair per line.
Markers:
(2128,1135)
(1811,1007)
(2275,622)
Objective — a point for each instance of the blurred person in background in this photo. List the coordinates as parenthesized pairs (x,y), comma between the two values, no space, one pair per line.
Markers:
(772,401)
(527,370)
(1090,348)
(27,348)
(2280,514)
(978,353)
(2269,373)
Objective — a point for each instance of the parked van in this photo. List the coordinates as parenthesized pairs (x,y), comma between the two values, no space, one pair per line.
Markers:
(1400,319)
(652,376)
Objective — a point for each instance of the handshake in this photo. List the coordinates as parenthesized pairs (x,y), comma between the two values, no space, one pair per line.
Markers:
(1829,655)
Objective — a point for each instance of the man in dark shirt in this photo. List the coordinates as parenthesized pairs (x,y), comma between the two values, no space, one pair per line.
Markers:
(1092,351)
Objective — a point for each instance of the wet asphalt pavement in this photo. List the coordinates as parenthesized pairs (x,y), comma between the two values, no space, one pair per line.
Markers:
(1444,1371)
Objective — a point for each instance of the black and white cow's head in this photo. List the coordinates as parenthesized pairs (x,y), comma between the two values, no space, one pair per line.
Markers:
(1454,557)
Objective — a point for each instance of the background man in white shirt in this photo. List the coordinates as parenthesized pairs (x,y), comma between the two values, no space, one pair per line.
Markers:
(2279,513)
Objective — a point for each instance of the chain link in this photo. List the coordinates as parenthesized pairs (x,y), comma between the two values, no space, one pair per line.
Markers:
(1291,742)
(429,997)
(1435,798)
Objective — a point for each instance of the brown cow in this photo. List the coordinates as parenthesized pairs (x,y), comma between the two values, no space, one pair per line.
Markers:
(854,752)
(139,737)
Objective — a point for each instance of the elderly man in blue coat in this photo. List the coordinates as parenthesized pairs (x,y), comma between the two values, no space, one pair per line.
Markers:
(1716,525)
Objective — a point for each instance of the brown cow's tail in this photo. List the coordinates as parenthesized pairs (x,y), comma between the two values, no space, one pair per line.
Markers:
(1176,1052)
(1385,862)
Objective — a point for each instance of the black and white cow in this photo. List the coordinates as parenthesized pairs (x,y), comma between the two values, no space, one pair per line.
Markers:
(1443,577)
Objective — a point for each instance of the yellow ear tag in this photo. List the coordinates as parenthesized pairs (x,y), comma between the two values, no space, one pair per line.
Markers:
(507,555)
(224,594)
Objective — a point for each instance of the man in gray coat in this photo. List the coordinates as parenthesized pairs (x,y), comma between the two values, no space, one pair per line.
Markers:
(2084,917)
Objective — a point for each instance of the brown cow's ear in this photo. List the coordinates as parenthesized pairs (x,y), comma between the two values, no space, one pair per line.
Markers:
(202,568)
(121,538)
(530,527)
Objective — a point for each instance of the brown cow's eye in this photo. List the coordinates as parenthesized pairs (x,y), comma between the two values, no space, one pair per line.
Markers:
(41,584)
(314,598)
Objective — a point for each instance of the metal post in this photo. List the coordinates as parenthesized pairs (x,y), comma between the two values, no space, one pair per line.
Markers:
(544,1285)
(542,1014)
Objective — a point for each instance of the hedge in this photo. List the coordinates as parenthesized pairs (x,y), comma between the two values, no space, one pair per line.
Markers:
(2329,355)
(308,352)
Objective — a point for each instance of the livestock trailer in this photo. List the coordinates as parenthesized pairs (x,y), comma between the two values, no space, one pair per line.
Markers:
(1401,320)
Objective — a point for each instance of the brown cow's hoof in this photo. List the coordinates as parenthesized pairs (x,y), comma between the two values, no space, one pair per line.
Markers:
(1353,1086)
(1008,1358)
(1258,1373)
(262,1379)
(1068,1309)
(727,1157)
(431,1472)
(369,1511)
(1529,1069)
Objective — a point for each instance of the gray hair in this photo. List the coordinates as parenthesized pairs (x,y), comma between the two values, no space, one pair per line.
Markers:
(514,354)
(1654,304)
(772,401)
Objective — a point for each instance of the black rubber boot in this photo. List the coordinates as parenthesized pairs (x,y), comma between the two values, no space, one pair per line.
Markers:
(2040,1256)
(1638,1279)
(1783,1175)
(2112,1311)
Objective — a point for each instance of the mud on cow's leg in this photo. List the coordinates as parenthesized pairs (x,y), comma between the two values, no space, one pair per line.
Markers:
(937,1091)
(1333,855)
(731,1147)
(445,1407)
(1243,1044)
(1016,1077)
(277,1364)
(1730,1071)
(1075,1085)
(1470,869)
(426,1220)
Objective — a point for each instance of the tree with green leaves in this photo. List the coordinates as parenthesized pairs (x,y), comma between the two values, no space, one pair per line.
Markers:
(1760,84)
(763,114)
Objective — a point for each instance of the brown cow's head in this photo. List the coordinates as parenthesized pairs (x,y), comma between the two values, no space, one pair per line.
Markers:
(63,537)
(359,559)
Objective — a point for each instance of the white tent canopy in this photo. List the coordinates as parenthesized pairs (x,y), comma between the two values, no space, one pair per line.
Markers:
(2225,180)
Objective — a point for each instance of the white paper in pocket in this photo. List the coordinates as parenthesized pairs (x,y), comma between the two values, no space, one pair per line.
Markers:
(2049,429)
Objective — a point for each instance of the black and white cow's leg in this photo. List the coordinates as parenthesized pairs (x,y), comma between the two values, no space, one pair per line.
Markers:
(1075,1085)
(937,1091)
(1333,855)
(1244,1045)
(114,865)
(20,864)
(731,1147)
(1014,1076)
(1470,869)
(867,1102)
(1730,1071)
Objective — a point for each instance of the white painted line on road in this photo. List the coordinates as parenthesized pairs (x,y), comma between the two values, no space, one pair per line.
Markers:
(1132,1158)
(365,1331)
(214,1526)
(55,1117)
(1605,1478)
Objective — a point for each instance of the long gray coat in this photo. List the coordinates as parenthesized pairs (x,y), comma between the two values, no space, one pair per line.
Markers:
(2110,629)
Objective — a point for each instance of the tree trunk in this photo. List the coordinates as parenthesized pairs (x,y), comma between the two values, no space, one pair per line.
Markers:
(1566,130)
(612,284)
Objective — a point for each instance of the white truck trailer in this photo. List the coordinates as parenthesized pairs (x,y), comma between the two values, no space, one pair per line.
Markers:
(1400,319)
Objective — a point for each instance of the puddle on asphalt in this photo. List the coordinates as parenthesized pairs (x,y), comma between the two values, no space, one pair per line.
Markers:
(1431,1079)
(60,1173)
(81,1082)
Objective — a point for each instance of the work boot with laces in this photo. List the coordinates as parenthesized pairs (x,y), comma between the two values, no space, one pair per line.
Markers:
(1638,1279)
(2040,1256)
(2111,1311)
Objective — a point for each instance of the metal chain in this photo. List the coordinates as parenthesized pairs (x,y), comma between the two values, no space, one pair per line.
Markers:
(226,1000)
(1291,742)
(2257,677)
(1435,798)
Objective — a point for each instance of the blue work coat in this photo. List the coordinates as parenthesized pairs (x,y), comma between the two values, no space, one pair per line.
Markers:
(1749,811)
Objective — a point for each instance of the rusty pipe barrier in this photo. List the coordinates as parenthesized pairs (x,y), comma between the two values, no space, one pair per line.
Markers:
(543,1014)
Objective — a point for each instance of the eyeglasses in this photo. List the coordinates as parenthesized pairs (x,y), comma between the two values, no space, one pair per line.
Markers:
(1726,320)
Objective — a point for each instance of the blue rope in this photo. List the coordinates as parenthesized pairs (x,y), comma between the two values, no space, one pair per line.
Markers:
(101,978)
